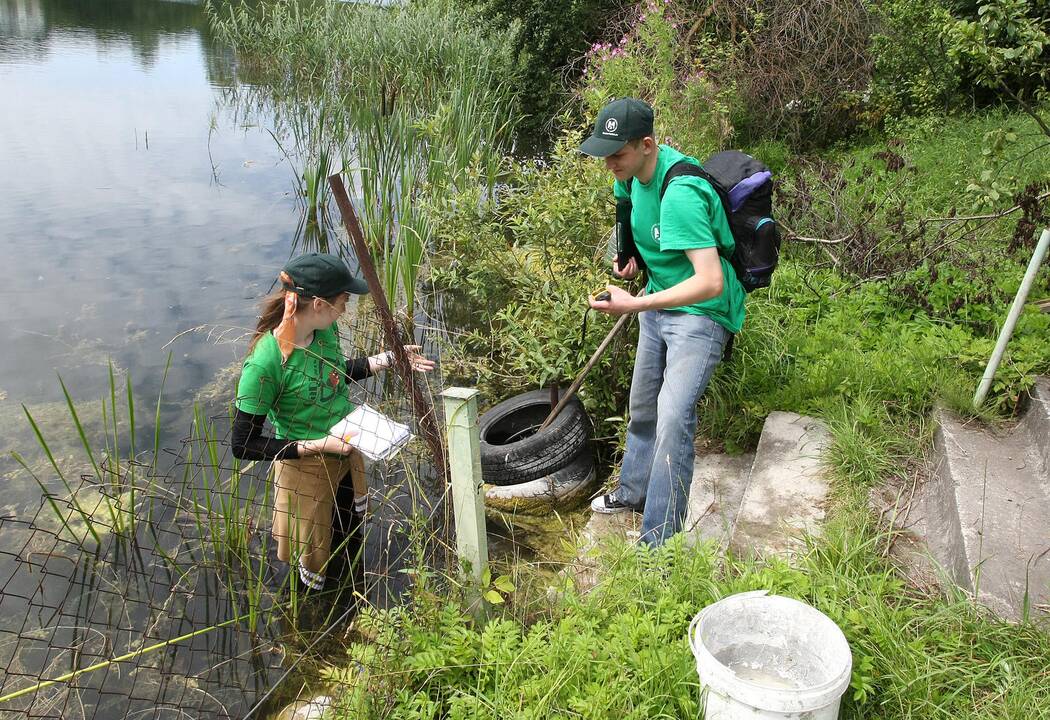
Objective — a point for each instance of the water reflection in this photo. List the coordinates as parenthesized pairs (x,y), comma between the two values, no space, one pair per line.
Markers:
(112,25)
(134,202)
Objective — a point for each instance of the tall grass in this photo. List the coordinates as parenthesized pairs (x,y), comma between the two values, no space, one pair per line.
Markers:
(417,102)
(126,505)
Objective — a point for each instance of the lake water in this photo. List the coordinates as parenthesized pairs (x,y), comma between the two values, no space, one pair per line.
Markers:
(135,203)
(143,212)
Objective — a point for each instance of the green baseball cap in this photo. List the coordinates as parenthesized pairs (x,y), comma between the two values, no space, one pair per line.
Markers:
(322,275)
(618,122)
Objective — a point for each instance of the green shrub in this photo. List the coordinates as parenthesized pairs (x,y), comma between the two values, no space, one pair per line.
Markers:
(912,75)
(518,266)
(652,61)
(549,39)
(1003,45)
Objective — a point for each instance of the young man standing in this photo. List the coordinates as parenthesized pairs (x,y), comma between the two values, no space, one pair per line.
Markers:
(692,305)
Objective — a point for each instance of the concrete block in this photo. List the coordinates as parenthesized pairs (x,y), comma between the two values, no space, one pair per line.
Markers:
(988,506)
(719,482)
(944,535)
(1037,421)
(788,488)
(714,499)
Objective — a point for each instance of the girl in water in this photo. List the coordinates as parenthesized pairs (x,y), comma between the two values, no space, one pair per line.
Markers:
(296,377)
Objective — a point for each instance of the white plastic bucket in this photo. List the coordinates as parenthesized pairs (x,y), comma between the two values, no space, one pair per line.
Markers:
(765,656)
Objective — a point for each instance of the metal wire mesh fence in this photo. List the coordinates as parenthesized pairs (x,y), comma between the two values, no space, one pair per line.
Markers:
(148,583)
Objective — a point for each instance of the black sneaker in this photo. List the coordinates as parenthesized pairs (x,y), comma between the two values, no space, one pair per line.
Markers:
(609,504)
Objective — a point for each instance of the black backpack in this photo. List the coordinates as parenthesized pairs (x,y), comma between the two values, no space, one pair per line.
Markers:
(745,187)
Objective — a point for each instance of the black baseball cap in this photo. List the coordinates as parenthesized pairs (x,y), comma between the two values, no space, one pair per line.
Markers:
(618,122)
(322,275)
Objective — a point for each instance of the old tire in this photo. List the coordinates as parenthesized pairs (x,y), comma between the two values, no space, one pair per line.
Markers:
(558,491)
(514,451)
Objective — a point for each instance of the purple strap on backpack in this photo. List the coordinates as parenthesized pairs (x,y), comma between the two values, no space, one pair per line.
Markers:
(743,189)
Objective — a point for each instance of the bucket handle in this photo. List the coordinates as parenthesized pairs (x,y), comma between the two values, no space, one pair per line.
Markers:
(700,615)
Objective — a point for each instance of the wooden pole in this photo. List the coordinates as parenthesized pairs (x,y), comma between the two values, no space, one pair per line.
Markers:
(586,369)
(468,500)
(422,406)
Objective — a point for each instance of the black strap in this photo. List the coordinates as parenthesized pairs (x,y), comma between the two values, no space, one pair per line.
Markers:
(727,351)
(684,168)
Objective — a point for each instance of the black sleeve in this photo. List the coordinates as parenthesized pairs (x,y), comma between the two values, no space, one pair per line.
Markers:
(249,442)
(357,368)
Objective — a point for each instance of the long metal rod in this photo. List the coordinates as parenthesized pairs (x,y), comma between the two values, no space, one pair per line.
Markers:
(586,369)
(1011,319)
(422,406)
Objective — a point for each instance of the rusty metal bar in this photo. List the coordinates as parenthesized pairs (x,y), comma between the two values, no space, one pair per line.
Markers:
(424,410)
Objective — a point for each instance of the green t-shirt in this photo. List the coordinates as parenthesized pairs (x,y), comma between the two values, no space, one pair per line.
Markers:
(690,216)
(303,398)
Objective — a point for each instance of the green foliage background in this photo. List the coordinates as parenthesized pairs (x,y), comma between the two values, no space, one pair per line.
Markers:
(901,312)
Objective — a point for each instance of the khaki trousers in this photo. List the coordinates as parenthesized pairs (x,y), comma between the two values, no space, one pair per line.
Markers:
(303,502)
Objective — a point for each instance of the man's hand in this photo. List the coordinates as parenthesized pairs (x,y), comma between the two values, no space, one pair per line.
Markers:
(629,271)
(620,301)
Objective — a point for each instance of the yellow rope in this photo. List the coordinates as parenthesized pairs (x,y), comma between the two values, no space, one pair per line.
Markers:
(69,676)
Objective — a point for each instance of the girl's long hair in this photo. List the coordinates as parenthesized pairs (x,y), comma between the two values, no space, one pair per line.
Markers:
(271,310)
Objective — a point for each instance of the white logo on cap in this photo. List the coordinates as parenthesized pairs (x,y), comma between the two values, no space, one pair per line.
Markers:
(611,125)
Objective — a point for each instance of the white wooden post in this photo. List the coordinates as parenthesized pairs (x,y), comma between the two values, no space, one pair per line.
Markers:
(464,459)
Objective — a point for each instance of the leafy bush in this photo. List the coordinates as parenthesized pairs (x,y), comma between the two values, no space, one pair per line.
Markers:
(912,74)
(549,38)
(518,266)
(1003,45)
(653,61)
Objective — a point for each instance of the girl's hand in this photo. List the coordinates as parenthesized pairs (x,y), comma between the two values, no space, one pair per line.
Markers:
(418,361)
(329,445)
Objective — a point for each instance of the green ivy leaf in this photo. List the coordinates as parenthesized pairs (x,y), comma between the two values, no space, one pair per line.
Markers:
(494,597)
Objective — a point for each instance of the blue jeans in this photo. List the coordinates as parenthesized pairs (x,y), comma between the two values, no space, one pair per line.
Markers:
(677,354)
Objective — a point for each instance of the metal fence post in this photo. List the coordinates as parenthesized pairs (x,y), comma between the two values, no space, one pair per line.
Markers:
(464,454)
(1011,318)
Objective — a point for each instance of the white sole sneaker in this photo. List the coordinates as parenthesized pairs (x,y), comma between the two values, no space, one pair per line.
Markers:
(609,505)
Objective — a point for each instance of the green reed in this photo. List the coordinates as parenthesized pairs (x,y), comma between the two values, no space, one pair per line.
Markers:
(416,106)
(117,495)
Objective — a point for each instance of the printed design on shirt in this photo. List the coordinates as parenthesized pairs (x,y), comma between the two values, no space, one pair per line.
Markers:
(656,233)
(313,384)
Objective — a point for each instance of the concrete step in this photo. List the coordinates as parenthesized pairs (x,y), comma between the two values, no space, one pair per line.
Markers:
(760,503)
(714,499)
(987,510)
(1037,421)
(788,488)
(719,482)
